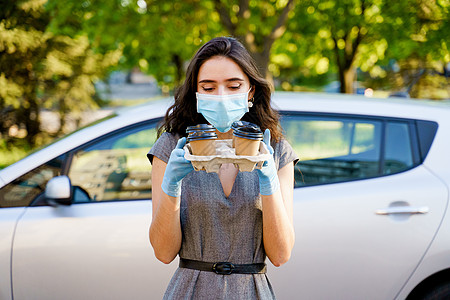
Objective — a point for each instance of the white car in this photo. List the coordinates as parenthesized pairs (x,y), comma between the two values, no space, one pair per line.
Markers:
(370,206)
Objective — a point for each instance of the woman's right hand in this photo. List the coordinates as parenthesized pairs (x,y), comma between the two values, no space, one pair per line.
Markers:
(268,174)
(177,168)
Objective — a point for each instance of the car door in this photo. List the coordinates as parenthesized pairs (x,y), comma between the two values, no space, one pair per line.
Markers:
(14,197)
(8,220)
(96,248)
(357,179)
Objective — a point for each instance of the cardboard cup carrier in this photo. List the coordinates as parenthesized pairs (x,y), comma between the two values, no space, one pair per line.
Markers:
(208,155)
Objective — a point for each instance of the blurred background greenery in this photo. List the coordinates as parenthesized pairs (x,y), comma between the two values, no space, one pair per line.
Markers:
(54,55)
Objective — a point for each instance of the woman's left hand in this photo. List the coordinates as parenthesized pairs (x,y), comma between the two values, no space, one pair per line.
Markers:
(268,178)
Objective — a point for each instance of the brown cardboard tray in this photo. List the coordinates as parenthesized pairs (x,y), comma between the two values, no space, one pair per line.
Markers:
(225,153)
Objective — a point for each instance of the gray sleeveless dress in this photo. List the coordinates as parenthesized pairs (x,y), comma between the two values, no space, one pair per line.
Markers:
(217,228)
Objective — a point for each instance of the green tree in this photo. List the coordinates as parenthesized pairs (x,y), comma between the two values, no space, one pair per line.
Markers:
(342,34)
(168,34)
(66,81)
(39,68)
(421,48)
(258,24)
(156,36)
(161,36)
(22,48)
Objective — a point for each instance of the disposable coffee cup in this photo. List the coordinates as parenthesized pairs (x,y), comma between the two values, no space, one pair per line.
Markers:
(245,126)
(202,142)
(234,126)
(245,146)
(247,139)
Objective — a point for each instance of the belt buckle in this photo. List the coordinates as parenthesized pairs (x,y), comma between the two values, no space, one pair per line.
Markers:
(223,268)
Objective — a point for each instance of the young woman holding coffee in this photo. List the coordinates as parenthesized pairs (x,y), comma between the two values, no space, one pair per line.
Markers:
(222,225)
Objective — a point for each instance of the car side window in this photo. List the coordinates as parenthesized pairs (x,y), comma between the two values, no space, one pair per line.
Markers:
(23,190)
(398,155)
(336,149)
(115,168)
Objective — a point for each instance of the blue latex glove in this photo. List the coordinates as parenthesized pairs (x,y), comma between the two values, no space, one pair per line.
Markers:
(177,168)
(268,178)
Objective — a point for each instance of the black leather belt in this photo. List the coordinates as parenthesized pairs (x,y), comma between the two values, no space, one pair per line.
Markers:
(223,268)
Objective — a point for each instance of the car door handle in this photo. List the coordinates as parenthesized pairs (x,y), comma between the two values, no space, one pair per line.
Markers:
(399,210)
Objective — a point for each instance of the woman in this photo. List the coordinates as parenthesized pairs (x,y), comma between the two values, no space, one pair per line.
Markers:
(231,216)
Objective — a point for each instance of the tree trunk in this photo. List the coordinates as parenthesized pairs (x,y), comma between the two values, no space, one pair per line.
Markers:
(176,59)
(346,71)
(7,119)
(260,52)
(62,116)
(262,61)
(30,117)
(348,80)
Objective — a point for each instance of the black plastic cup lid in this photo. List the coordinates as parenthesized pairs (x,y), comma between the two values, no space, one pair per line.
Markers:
(237,124)
(245,133)
(200,127)
(243,126)
(248,135)
(201,135)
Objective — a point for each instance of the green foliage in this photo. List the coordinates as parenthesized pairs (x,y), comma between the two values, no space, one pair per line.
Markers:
(51,51)
(342,36)
(12,151)
(157,36)
(161,36)
(44,69)
(257,24)
(22,48)
(422,26)
(334,36)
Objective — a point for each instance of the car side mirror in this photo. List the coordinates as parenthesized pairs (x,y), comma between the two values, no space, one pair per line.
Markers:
(59,191)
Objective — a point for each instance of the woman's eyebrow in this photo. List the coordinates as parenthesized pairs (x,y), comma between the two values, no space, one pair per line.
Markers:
(228,80)
(206,81)
(235,79)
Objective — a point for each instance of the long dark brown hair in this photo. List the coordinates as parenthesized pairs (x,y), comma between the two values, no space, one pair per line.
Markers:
(183,112)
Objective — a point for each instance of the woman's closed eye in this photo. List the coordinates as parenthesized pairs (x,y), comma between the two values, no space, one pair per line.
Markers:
(207,89)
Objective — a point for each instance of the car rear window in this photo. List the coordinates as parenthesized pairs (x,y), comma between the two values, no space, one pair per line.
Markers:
(338,148)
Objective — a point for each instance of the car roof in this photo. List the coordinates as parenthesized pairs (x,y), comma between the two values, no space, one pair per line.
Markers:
(359,104)
(282,101)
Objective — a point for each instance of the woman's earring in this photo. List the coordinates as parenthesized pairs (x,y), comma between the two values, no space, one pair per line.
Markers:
(250,102)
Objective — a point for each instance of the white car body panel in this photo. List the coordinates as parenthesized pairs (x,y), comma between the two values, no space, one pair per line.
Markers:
(438,256)
(329,251)
(324,218)
(436,259)
(8,221)
(52,236)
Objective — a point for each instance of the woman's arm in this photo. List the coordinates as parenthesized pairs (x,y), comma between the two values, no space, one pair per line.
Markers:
(165,229)
(278,227)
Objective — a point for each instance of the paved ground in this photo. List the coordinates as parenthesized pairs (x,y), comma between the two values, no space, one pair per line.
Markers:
(128,91)
(50,120)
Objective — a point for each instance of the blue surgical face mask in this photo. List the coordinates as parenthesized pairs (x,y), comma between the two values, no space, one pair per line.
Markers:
(222,110)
